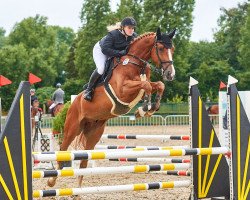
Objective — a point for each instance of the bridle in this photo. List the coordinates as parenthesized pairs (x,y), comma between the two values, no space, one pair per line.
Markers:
(169,62)
(147,64)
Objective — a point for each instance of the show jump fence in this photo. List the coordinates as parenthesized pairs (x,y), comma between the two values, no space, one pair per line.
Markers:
(211,176)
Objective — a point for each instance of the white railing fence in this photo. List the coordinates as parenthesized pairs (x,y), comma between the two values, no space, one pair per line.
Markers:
(131,121)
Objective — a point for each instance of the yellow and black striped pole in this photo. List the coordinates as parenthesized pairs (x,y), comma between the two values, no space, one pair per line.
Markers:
(98,155)
(111,170)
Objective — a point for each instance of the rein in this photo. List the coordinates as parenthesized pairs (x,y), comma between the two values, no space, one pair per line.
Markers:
(145,64)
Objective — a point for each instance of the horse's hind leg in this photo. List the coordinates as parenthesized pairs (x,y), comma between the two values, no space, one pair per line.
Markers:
(93,134)
(71,130)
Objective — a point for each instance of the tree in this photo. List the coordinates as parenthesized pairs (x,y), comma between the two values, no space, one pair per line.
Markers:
(70,67)
(229,34)
(2,37)
(202,51)
(64,35)
(169,14)
(32,32)
(41,62)
(47,47)
(13,64)
(244,54)
(72,87)
(209,75)
(39,41)
(64,39)
(244,51)
(130,8)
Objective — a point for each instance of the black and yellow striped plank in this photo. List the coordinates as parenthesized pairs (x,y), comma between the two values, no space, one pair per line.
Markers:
(15,142)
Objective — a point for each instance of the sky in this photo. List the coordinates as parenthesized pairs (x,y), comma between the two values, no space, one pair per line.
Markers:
(66,13)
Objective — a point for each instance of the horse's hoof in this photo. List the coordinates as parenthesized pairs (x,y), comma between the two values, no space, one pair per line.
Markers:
(140,112)
(148,114)
(137,115)
(51,182)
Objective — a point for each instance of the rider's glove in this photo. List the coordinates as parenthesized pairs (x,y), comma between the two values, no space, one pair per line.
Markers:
(122,52)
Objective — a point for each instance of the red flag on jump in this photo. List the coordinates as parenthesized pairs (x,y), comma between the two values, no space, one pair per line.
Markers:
(4,81)
(222,85)
(33,78)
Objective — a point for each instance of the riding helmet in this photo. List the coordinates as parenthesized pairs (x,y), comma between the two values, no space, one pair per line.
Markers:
(58,85)
(128,21)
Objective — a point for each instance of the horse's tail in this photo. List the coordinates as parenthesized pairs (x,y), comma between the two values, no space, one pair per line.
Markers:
(78,142)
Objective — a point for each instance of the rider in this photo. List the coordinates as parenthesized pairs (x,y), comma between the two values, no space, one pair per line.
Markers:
(57,97)
(114,44)
(33,97)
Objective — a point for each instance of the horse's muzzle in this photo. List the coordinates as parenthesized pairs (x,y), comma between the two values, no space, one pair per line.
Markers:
(168,75)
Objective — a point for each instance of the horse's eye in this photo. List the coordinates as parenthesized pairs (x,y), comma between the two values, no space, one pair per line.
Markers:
(161,49)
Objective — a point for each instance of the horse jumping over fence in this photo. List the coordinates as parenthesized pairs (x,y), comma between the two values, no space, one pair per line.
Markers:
(130,82)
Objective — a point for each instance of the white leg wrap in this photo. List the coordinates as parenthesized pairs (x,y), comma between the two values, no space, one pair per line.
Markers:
(149,107)
(141,112)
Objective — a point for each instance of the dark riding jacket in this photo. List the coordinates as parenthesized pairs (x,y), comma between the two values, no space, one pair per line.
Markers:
(114,42)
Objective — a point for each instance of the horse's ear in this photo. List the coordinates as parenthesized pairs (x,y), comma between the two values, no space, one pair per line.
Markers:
(171,34)
(158,33)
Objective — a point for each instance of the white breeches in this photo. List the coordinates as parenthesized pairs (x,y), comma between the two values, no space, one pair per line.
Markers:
(52,105)
(99,58)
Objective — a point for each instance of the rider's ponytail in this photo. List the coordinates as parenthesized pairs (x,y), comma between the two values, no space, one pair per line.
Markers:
(115,26)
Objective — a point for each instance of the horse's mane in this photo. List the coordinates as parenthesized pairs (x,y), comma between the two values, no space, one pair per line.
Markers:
(141,37)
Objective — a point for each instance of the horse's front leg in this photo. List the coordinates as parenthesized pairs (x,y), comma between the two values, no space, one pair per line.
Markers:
(132,86)
(159,88)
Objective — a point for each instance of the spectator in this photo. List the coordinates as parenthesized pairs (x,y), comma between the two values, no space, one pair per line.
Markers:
(33,96)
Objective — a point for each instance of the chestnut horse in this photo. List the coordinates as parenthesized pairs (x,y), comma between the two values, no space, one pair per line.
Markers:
(213,110)
(56,110)
(129,83)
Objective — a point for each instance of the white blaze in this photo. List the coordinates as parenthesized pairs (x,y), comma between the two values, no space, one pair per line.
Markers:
(171,59)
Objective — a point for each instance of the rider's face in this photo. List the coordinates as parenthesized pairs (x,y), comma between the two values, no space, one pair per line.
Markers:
(129,30)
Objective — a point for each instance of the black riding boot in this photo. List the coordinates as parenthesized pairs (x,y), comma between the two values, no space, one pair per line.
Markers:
(88,94)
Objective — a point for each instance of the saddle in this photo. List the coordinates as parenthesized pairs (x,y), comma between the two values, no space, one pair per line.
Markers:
(108,70)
